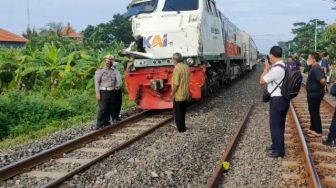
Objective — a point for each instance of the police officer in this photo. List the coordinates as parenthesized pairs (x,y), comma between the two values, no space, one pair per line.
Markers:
(272,76)
(118,92)
(106,86)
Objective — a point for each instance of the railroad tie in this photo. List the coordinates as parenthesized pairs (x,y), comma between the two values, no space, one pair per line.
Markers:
(93,150)
(290,164)
(318,146)
(291,177)
(327,166)
(330,181)
(125,135)
(72,160)
(324,154)
(41,174)
(110,141)
(135,128)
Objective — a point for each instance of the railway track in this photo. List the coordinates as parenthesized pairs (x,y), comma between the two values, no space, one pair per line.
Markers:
(308,163)
(54,166)
(215,178)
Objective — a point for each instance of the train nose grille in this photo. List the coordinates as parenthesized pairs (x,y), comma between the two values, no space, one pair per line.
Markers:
(156,84)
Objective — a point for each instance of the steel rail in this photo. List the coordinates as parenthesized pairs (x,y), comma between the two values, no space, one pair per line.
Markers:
(314,180)
(105,155)
(213,180)
(27,163)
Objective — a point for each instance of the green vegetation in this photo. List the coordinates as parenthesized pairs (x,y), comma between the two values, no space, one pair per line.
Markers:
(304,38)
(48,84)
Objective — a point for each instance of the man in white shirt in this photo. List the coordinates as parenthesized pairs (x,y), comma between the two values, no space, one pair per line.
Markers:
(273,76)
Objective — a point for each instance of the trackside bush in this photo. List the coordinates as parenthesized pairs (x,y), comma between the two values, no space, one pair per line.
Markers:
(22,112)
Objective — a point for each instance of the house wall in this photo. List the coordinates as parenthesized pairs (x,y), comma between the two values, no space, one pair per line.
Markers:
(12,44)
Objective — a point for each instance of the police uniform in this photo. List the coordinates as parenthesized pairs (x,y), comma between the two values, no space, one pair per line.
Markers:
(118,94)
(107,86)
(278,106)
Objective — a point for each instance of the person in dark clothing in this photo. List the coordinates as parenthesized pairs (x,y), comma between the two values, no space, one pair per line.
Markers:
(331,140)
(325,63)
(116,113)
(272,76)
(315,92)
(297,61)
(291,64)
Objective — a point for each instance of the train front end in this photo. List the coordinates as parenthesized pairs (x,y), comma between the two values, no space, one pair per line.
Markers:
(161,28)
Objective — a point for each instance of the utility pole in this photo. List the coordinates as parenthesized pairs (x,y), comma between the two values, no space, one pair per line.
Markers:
(28,14)
(289,48)
(315,34)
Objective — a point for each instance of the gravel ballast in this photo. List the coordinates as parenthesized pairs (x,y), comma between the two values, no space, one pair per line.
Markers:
(250,167)
(167,158)
(22,151)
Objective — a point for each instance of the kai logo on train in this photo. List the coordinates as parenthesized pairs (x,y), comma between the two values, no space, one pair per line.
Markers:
(155,41)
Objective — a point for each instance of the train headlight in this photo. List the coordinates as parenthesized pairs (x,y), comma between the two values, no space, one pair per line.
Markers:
(190,61)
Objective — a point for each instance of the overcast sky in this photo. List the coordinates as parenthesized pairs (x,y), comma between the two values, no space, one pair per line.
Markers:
(268,21)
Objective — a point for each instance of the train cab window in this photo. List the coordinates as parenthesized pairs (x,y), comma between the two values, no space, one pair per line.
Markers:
(179,5)
(137,7)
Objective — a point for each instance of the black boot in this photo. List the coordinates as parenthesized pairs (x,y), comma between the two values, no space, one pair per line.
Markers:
(331,141)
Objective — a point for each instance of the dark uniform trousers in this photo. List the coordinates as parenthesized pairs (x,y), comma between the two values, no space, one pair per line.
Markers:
(332,129)
(108,106)
(314,103)
(278,112)
(115,115)
(180,109)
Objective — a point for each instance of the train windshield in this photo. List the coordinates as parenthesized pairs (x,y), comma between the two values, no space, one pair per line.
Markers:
(180,5)
(140,6)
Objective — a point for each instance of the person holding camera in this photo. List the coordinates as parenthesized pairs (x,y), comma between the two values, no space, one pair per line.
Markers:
(273,76)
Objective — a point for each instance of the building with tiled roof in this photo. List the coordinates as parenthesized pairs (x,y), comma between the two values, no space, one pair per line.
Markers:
(68,31)
(11,40)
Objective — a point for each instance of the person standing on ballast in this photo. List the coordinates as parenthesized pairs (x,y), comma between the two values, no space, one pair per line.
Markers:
(106,92)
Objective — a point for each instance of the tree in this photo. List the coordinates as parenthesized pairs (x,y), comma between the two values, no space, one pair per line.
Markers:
(304,39)
(104,34)
(330,37)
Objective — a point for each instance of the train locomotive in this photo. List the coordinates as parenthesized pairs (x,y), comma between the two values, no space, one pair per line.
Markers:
(213,47)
